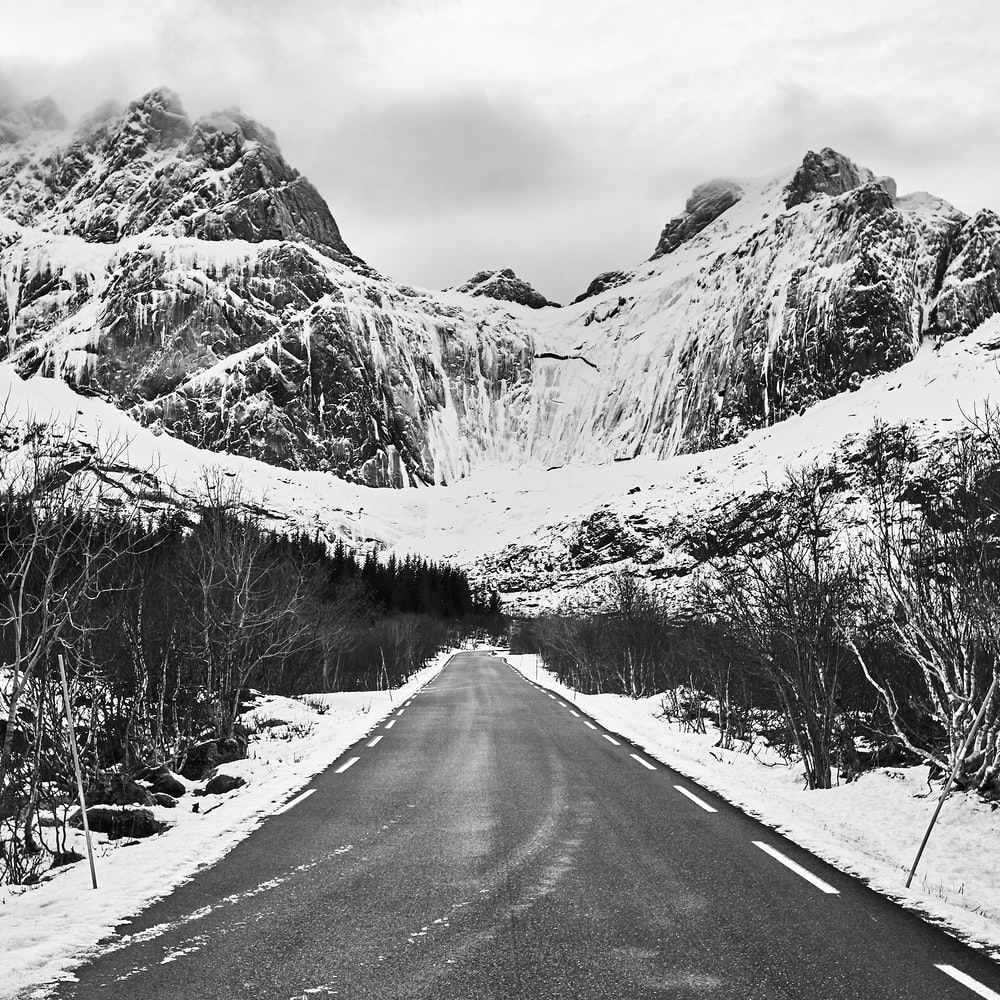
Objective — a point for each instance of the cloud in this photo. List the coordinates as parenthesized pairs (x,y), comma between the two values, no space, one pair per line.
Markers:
(427,155)
(561,135)
(950,151)
(9,94)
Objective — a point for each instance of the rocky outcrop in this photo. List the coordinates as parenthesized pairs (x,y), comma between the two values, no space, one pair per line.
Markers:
(118,823)
(826,172)
(221,784)
(604,281)
(203,758)
(707,202)
(505,286)
(162,781)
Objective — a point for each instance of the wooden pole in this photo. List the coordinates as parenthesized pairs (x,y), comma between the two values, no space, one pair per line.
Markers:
(951,777)
(76,765)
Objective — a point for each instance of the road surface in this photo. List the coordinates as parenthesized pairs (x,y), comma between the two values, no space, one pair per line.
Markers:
(490,841)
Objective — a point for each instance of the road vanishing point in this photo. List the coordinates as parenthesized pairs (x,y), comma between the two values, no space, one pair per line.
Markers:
(489,840)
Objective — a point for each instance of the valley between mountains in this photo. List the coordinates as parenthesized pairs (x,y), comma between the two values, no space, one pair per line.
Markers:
(189,288)
(633,517)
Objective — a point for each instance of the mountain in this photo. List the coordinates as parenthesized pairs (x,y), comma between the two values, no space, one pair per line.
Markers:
(184,271)
(186,275)
(505,286)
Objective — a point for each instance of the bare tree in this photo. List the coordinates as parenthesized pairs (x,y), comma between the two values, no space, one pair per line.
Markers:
(786,604)
(247,607)
(933,555)
(53,552)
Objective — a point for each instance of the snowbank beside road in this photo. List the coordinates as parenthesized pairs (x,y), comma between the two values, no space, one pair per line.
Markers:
(870,828)
(47,928)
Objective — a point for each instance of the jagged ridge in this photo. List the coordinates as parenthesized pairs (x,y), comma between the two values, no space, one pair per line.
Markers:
(187,273)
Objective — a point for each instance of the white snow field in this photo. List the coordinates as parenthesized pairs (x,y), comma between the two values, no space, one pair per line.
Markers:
(870,827)
(48,928)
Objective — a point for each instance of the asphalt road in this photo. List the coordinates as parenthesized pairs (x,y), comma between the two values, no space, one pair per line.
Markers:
(493,844)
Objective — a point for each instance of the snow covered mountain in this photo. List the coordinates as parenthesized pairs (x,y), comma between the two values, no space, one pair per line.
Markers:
(184,271)
(186,275)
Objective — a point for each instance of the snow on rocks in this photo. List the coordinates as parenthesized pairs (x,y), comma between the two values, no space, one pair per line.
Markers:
(222,305)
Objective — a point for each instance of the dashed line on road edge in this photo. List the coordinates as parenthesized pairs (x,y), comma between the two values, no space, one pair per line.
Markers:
(694,798)
(611,739)
(798,869)
(292,803)
(343,767)
(642,760)
(390,724)
(374,742)
(587,722)
(966,980)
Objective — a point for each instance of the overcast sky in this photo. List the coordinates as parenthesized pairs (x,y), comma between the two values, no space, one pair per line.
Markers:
(555,136)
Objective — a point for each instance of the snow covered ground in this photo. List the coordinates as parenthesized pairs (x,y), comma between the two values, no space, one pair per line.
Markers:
(48,928)
(870,827)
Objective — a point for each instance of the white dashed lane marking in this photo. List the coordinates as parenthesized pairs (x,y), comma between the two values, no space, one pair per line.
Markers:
(390,724)
(694,798)
(949,970)
(294,802)
(343,767)
(967,980)
(641,760)
(374,742)
(797,868)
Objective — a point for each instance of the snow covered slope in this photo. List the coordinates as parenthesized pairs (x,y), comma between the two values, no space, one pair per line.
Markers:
(177,287)
(186,273)
(541,535)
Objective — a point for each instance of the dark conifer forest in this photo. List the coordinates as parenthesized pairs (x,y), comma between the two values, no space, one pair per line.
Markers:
(165,629)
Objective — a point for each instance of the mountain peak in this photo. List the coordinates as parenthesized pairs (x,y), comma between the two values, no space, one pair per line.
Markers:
(154,121)
(150,168)
(707,202)
(506,286)
(828,172)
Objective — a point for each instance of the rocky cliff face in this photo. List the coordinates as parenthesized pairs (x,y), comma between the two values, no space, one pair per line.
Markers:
(791,293)
(970,287)
(185,272)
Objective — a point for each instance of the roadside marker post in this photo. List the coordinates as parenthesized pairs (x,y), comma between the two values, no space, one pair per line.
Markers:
(76,765)
(959,760)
